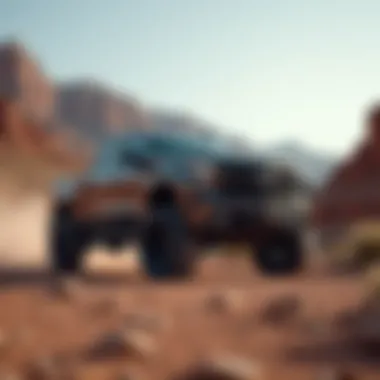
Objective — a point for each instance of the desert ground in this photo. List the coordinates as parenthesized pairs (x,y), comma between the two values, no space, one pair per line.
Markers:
(280,328)
(113,323)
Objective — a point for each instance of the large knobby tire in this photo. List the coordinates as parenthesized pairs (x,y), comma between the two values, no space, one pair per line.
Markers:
(67,242)
(183,265)
(171,259)
(280,254)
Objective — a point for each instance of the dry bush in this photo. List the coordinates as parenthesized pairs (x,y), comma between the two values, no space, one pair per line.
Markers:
(372,281)
(359,248)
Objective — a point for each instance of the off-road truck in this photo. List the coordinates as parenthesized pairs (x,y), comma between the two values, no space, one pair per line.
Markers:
(225,197)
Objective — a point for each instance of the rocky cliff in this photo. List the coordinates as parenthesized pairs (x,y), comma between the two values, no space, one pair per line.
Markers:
(96,111)
(23,81)
(352,192)
(82,108)
(41,120)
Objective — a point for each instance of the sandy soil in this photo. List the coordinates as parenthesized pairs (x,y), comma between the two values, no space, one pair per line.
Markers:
(40,323)
(37,322)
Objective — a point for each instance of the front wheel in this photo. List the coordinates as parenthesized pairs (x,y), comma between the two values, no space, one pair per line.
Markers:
(67,242)
(166,255)
(280,254)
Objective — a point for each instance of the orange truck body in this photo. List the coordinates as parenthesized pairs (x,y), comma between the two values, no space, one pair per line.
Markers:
(92,202)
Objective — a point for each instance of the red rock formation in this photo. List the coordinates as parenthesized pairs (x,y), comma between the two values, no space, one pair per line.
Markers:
(28,124)
(353,191)
(22,80)
(27,138)
(85,108)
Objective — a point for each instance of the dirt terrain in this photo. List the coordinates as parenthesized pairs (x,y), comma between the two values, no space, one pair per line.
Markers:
(227,311)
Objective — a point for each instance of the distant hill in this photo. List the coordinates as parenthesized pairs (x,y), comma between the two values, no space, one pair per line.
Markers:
(95,110)
(314,166)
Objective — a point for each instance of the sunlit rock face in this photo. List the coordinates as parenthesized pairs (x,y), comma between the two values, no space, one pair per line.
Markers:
(31,157)
(353,191)
(22,80)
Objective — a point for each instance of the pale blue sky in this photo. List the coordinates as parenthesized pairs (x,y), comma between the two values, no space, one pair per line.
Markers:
(284,69)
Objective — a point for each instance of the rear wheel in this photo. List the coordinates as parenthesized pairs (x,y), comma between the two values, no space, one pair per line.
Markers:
(280,254)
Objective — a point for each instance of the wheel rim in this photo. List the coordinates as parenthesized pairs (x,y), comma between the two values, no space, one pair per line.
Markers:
(277,256)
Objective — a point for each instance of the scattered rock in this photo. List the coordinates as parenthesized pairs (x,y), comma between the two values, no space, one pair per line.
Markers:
(364,325)
(64,288)
(282,309)
(223,302)
(224,368)
(366,331)
(345,320)
(49,369)
(318,328)
(4,341)
(334,374)
(125,343)
(10,376)
(146,322)
(23,335)
(127,375)
(104,307)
